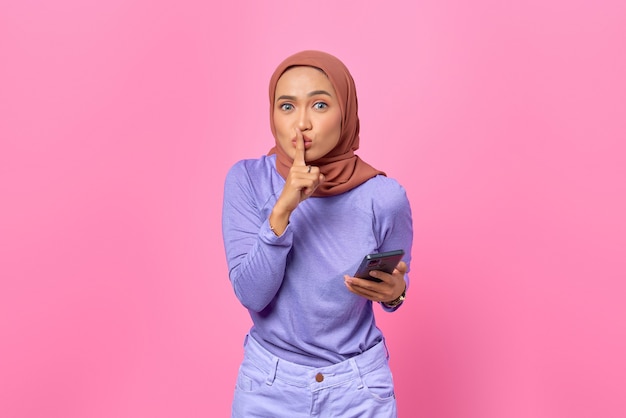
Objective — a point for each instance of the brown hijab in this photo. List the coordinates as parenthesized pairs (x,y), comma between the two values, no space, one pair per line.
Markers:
(342,168)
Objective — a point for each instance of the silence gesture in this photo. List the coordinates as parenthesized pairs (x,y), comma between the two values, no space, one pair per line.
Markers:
(300,184)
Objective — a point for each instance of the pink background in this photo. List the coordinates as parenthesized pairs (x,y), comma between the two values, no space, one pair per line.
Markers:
(505,120)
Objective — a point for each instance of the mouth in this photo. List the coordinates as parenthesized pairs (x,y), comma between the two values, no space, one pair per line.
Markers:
(307,142)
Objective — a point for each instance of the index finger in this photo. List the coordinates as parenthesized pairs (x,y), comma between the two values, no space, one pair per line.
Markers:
(298,159)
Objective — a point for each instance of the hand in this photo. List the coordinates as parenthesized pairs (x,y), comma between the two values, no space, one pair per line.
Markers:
(302,179)
(390,288)
(300,184)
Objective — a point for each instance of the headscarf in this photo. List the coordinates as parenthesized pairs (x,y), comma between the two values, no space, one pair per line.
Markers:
(343,170)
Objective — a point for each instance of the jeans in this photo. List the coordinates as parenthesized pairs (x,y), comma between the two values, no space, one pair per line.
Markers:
(269,387)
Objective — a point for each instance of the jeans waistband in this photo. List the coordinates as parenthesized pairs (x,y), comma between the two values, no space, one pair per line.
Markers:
(303,376)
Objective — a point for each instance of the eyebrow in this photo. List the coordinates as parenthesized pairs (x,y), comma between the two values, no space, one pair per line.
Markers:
(311,94)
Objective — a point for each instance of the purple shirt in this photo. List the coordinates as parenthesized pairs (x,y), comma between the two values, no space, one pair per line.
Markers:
(293,285)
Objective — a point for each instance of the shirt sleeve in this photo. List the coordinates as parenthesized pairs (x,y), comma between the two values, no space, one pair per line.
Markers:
(256,257)
(394,221)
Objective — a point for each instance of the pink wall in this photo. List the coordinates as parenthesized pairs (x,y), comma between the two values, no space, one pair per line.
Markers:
(504,120)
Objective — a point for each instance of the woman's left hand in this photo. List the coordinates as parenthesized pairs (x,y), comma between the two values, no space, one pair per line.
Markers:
(390,288)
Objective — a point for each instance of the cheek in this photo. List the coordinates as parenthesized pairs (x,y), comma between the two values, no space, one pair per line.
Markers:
(280,126)
(336,120)
(336,127)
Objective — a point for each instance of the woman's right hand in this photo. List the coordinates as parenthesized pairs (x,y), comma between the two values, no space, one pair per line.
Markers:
(300,184)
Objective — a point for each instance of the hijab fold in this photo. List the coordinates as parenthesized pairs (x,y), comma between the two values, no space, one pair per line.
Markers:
(342,168)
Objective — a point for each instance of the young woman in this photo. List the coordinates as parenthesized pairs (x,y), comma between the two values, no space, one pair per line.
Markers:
(296,225)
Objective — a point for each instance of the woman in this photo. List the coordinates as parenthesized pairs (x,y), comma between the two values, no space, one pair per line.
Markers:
(296,224)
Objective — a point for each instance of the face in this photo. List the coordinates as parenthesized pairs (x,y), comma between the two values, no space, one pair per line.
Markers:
(305,99)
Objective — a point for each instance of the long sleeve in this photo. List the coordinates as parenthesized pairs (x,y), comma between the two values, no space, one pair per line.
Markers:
(256,256)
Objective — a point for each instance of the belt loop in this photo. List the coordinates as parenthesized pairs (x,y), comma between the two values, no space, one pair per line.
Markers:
(272,373)
(358,373)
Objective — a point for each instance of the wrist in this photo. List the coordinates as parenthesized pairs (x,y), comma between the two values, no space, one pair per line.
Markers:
(278,222)
(397,301)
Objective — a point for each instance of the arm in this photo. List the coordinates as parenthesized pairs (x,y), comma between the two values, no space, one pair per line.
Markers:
(256,256)
(258,241)
(394,227)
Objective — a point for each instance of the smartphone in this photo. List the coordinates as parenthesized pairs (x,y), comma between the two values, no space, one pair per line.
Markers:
(386,262)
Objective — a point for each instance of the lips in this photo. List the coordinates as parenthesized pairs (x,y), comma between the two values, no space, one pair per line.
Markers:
(307,142)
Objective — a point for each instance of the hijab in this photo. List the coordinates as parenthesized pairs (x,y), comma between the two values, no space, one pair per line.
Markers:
(342,168)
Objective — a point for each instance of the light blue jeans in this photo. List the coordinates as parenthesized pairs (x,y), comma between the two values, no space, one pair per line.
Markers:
(268,387)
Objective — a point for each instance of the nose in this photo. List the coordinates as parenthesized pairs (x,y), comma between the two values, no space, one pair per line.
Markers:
(304,121)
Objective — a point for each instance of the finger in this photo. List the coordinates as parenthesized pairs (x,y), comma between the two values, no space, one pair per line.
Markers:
(363,291)
(380,275)
(362,284)
(299,157)
(401,267)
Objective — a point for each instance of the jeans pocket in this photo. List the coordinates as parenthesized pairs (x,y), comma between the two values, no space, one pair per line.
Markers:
(379,382)
(250,378)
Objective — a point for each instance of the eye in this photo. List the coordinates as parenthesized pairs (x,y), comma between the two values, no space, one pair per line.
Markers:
(286,107)
(320,105)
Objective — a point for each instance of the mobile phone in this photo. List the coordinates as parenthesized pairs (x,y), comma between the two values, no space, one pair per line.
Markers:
(386,262)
